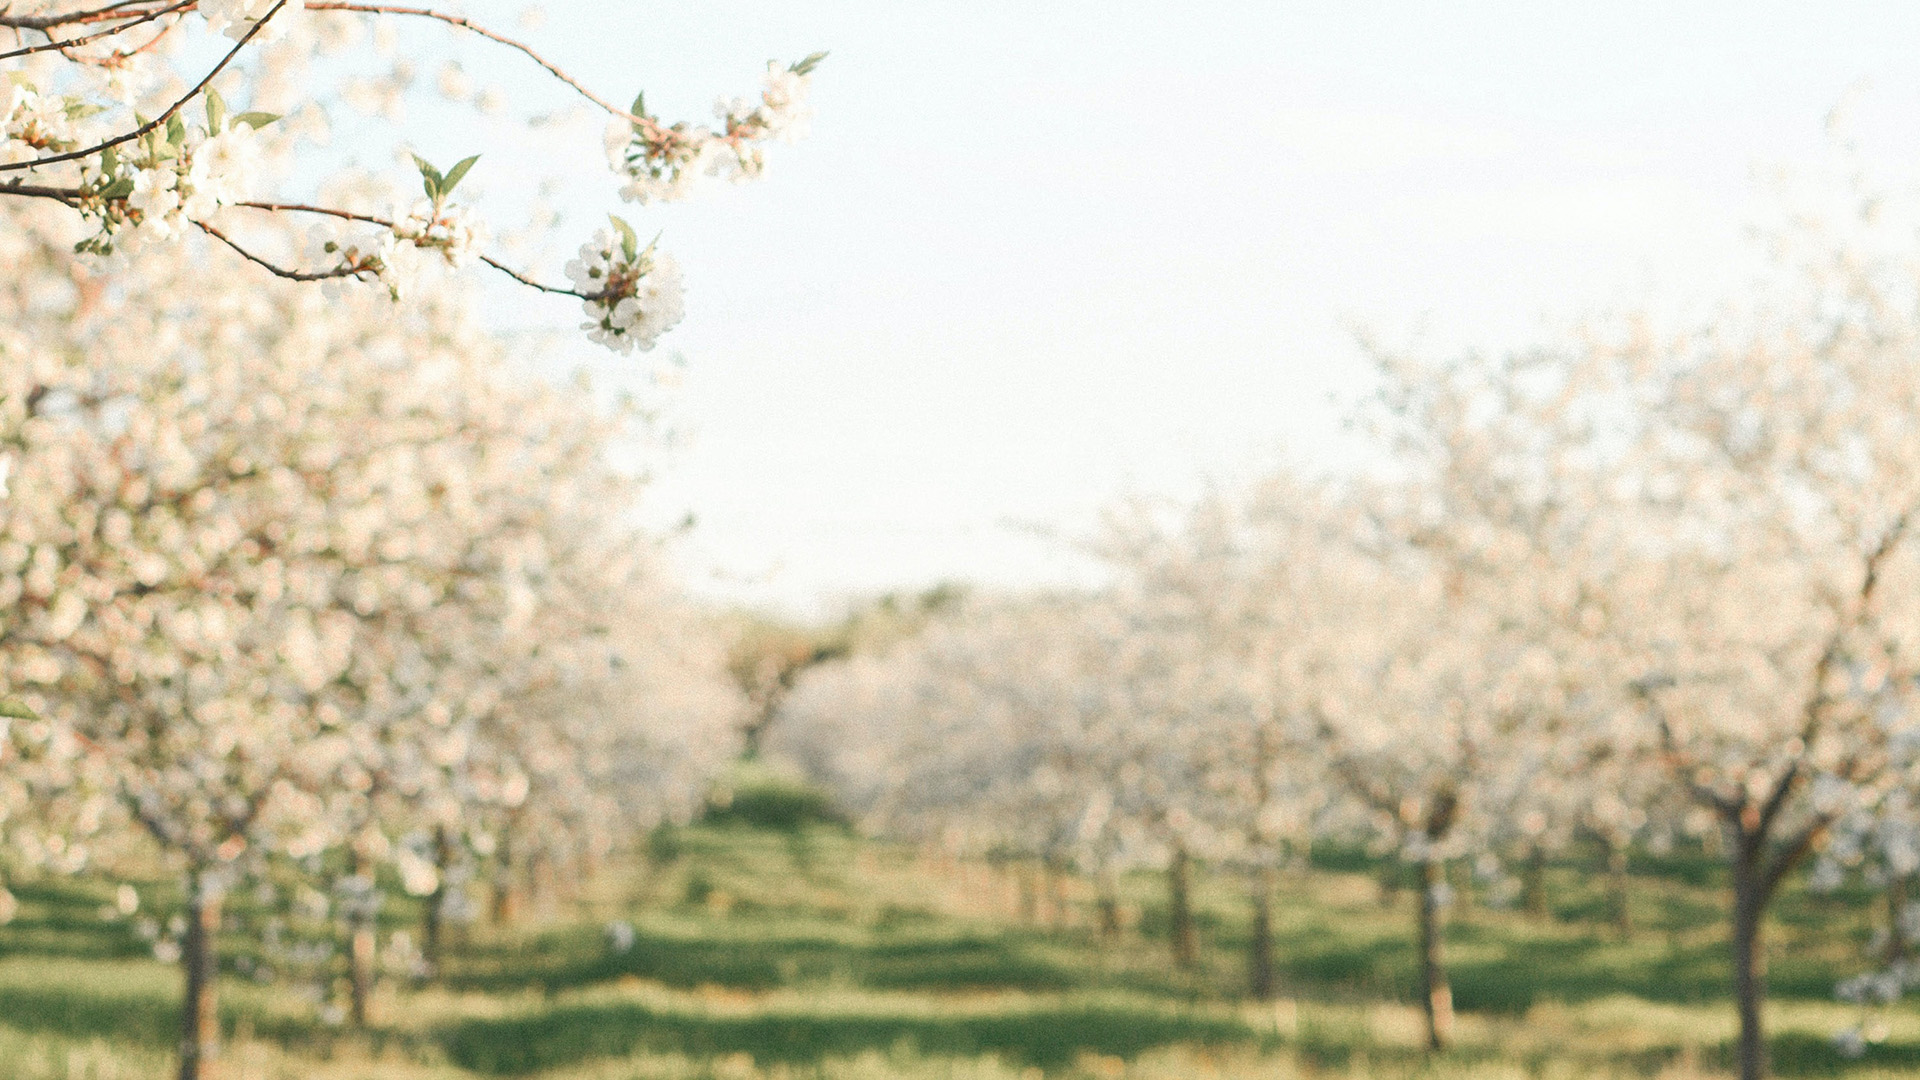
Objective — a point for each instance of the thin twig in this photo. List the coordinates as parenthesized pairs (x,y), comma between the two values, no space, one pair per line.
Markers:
(277,271)
(348,215)
(653,126)
(532,284)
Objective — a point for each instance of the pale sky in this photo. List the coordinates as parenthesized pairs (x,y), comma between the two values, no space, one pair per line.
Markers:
(1036,256)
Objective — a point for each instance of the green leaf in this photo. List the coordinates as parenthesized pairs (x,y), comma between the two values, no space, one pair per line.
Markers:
(14,709)
(119,189)
(216,112)
(629,243)
(456,174)
(256,120)
(639,104)
(806,65)
(430,177)
(176,131)
(109,162)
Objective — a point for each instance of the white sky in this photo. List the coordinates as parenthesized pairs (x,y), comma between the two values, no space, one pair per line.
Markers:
(1037,255)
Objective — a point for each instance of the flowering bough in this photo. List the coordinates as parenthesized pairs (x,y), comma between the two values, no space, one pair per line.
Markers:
(94,119)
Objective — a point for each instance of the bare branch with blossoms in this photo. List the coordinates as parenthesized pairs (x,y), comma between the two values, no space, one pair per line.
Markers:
(85,124)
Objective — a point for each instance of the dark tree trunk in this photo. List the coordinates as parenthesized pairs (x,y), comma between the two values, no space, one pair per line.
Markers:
(361,945)
(199,1011)
(505,906)
(434,909)
(1056,880)
(1897,944)
(1436,996)
(1025,878)
(1533,887)
(1617,909)
(1107,904)
(1749,965)
(1260,979)
(1392,874)
(1185,941)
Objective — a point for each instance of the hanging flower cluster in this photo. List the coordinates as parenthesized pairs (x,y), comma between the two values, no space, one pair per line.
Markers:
(633,295)
(662,163)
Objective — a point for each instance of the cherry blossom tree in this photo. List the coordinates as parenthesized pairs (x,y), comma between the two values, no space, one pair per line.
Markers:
(1777,636)
(286,574)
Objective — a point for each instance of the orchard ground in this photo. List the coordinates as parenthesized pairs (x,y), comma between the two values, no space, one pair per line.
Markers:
(763,953)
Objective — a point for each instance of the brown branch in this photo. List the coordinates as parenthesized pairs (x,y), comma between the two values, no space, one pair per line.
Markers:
(348,215)
(278,271)
(1795,850)
(654,127)
(156,122)
(532,284)
(87,39)
(45,23)
(328,211)
(68,196)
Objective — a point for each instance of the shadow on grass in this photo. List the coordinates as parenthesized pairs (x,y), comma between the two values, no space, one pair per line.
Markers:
(83,1012)
(575,959)
(1799,1053)
(1044,1037)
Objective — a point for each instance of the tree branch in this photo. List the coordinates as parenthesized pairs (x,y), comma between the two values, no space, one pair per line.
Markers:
(653,126)
(69,196)
(275,270)
(45,23)
(1789,856)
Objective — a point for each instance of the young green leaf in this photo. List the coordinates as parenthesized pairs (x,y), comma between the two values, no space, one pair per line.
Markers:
(176,131)
(14,709)
(455,175)
(430,178)
(216,112)
(256,120)
(806,65)
(629,243)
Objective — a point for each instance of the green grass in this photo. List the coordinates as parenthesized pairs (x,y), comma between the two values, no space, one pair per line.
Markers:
(804,952)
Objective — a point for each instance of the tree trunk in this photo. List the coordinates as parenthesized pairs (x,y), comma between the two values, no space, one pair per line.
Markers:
(360,947)
(1056,888)
(1749,966)
(1897,944)
(1617,907)
(436,902)
(199,1011)
(1436,997)
(1533,888)
(1260,958)
(1108,905)
(1391,873)
(1186,943)
(505,907)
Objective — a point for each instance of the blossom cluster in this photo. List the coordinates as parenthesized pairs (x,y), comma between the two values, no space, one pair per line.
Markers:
(175,174)
(662,163)
(634,295)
